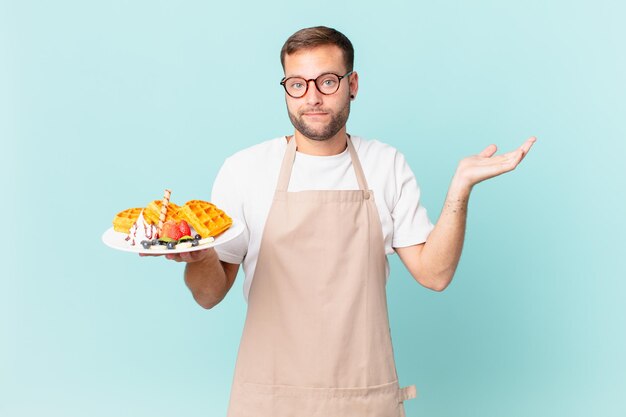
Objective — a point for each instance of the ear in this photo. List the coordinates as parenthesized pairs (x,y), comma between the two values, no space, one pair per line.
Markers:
(354,85)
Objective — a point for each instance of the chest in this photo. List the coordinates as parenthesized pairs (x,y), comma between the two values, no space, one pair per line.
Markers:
(335,174)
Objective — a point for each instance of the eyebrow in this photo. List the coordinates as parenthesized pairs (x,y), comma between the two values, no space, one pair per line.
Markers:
(304,78)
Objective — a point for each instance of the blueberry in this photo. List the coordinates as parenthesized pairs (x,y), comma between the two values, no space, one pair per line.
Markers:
(146,244)
(195,242)
(171,245)
(197,237)
(154,242)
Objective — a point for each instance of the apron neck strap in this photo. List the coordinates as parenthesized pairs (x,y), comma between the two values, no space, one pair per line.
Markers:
(356,164)
(290,156)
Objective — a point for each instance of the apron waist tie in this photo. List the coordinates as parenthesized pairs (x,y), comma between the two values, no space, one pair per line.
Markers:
(407,393)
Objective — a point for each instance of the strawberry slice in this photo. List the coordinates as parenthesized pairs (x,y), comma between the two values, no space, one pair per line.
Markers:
(184,228)
(171,230)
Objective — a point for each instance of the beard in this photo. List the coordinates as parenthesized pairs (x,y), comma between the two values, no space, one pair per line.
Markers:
(321,133)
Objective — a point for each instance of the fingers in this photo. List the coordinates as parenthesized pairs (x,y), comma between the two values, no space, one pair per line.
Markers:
(187,257)
(527,145)
(488,151)
(518,154)
(485,165)
(179,257)
(173,257)
(511,159)
(529,142)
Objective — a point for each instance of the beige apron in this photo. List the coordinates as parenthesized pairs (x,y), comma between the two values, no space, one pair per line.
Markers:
(316,339)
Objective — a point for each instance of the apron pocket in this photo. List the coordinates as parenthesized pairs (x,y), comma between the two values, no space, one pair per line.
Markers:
(259,400)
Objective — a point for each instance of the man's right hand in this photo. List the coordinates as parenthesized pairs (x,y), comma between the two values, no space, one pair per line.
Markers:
(189,257)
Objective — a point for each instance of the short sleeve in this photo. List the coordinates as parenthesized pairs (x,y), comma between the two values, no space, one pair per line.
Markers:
(411,225)
(226,195)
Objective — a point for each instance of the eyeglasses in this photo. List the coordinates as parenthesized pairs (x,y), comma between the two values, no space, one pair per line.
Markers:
(326,84)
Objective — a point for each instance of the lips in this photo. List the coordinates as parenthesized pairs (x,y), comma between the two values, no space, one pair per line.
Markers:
(313,113)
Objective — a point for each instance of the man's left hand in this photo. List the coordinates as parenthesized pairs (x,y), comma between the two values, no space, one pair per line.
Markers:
(485,165)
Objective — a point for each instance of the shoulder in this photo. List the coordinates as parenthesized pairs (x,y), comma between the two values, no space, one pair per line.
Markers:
(257,154)
(373,151)
(385,167)
(250,168)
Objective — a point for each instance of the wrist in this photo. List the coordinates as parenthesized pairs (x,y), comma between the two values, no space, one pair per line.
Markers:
(460,187)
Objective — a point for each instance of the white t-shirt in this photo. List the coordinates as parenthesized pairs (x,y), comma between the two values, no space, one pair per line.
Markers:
(245,185)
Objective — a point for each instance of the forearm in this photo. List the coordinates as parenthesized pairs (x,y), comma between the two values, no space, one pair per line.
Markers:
(207,279)
(433,263)
(442,251)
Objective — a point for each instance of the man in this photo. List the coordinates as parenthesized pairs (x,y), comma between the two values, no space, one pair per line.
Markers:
(322,210)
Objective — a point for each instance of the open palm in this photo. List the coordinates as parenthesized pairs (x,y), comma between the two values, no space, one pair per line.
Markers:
(485,165)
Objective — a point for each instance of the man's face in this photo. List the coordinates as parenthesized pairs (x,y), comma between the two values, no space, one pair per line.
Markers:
(315,115)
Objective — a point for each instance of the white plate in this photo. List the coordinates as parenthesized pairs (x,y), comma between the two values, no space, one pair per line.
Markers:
(117,240)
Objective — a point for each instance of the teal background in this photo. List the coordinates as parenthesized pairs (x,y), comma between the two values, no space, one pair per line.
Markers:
(105,104)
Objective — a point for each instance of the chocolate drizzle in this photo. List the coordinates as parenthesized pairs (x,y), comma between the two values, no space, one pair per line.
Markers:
(149,231)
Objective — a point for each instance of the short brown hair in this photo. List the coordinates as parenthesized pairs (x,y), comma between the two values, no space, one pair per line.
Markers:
(317,36)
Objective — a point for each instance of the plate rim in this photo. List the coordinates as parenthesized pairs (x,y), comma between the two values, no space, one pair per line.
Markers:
(236,229)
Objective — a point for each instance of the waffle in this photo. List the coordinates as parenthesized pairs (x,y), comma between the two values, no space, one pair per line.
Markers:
(152,212)
(205,218)
(124,220)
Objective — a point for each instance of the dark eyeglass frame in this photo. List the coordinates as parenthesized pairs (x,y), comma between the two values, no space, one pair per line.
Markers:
(283,82)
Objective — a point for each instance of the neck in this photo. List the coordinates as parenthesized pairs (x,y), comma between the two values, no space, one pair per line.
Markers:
(332,146)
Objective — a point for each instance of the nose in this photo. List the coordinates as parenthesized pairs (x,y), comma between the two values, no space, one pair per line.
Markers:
(312,96)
